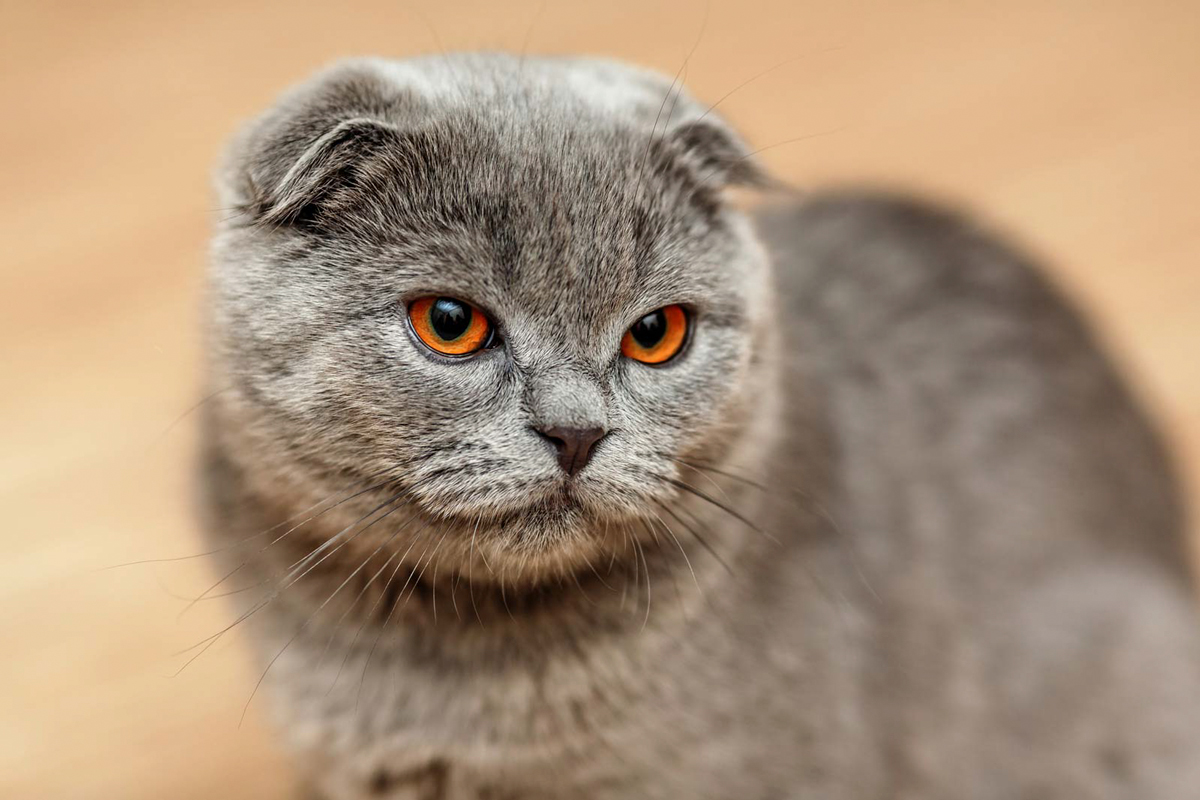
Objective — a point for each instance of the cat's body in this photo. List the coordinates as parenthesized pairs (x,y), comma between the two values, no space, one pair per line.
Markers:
(937,555)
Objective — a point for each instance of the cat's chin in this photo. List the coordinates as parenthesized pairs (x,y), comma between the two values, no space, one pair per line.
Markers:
(552,535)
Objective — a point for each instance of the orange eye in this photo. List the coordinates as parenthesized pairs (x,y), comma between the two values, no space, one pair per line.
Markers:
(656,337)
(450,327)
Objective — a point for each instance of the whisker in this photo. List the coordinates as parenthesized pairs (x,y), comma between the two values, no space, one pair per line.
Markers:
(206,593)
(592,566)
(703,542)
(724,168)
(420,575)
(707,477)
(637,573)
(579,586)
(675,102)
(471,569)
(504,599)
(704,468)
(537,15)
(188,412)
(403,527)
(763,74)
(675,80)
(262,533)
(670,572)
(717,503)
(271,578)
(395,604)
(320,608)
(612,559)
(361,593)
(433,585)
(208,641)
(642,552)
(371,613)
(805,503)
(682,551)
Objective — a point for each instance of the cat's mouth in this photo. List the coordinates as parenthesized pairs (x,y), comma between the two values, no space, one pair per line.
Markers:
(560,512)
(559,504)
(579,500)
(546,516)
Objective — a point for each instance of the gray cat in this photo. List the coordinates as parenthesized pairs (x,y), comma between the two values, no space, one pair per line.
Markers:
(544,471)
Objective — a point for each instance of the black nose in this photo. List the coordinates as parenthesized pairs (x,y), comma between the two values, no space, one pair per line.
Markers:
(574,445)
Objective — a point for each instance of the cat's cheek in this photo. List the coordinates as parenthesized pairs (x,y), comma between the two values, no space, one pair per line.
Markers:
(401,346)
(679,401)
(444,389)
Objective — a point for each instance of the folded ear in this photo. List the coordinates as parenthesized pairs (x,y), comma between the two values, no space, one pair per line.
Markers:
(318,185)
(717,154)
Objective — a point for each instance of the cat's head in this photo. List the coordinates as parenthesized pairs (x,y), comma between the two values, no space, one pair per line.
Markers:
(512,290)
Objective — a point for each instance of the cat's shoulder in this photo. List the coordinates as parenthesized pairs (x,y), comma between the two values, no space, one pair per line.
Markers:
(865,262)
(896,245)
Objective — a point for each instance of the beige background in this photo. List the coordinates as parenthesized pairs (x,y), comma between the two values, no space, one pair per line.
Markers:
(1074,125)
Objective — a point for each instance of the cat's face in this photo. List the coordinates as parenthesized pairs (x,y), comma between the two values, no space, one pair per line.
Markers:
(549,218)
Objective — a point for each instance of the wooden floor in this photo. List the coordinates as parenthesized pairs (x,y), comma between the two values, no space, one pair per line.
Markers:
(1074,125)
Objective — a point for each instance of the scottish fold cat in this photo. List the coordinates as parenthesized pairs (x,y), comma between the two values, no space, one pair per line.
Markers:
(543,469)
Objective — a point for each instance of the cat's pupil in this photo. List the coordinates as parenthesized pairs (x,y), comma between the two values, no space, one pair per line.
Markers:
(449,318)
(650,329)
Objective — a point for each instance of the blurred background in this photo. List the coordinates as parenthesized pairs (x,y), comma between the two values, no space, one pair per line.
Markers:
(1074,126)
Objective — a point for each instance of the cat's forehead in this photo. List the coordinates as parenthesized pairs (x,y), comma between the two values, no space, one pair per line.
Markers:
(559,221)
(582,191)
(543,194)
(497,80)
(539,243)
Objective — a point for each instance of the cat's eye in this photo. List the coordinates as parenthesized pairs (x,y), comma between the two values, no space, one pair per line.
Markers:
(449,326)
(657,337)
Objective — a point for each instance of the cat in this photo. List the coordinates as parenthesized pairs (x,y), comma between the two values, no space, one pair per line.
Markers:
(544,467)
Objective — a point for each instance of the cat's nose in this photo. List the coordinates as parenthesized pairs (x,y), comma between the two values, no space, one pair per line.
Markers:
(574,445)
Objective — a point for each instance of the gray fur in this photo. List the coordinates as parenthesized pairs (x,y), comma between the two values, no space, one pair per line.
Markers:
(889,527)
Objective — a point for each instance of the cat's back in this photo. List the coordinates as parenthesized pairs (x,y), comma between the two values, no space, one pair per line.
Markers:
(942,349)
(1007,505)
